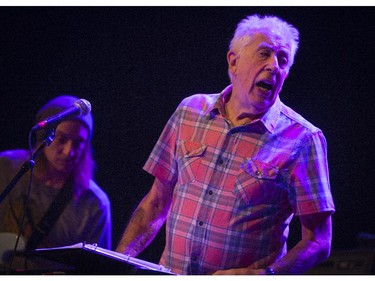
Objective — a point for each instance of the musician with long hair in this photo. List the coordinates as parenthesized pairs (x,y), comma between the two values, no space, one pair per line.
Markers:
(62,179)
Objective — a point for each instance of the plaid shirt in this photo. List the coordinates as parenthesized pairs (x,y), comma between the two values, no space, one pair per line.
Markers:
(236,188)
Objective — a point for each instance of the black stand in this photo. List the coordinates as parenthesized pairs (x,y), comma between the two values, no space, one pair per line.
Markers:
(90,259)
(28,164)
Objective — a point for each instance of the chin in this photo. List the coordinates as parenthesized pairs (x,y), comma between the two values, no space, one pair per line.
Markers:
(64,169)
(263,106)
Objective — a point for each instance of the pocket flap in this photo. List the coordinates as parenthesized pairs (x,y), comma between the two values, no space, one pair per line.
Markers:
(193,149)
(260,169)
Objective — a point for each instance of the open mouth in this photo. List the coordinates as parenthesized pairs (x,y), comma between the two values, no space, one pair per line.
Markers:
(264,86)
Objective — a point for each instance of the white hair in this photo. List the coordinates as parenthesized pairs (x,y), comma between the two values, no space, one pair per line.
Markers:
(265,24)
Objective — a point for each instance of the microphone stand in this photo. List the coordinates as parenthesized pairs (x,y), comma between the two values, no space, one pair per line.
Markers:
(29,164)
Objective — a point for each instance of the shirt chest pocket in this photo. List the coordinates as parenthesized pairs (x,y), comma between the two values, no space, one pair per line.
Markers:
(190,155)
(257,182)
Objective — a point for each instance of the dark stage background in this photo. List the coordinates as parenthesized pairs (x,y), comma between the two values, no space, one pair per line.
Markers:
(135,64)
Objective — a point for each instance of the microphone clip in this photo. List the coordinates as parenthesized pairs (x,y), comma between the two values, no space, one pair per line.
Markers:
(50,135)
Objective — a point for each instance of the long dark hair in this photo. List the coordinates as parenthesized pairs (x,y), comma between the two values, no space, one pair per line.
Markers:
(84,169)
(83,172)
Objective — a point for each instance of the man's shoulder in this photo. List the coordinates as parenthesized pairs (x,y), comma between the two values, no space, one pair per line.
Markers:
(298,118)
(200,100)
(14,156)
(97,193)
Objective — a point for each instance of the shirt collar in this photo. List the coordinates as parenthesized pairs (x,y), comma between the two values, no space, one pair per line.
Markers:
(268,120)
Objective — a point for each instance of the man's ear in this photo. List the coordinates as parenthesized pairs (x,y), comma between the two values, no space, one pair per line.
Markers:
(232,62)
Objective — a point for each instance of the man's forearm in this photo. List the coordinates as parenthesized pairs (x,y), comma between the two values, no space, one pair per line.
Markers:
(132,240)
(304,256)
(147,220)
(139,233)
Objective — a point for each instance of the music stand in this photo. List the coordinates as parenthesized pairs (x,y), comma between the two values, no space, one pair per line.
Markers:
(91,259)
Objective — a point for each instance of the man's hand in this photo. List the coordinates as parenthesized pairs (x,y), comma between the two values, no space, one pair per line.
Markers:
(240,271)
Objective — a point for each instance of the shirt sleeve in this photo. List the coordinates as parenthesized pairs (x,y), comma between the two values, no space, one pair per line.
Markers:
(310,177)
(99,230)
(161,162)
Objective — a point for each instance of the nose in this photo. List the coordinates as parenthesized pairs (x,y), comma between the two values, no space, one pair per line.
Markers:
(68,149)
(273,65)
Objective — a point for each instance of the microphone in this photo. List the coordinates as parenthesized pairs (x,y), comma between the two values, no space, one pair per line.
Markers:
(80,107)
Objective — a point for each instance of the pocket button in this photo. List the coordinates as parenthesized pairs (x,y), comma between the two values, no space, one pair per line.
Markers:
(259,174)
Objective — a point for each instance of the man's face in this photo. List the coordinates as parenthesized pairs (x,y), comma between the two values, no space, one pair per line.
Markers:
(66,150)
(259,71)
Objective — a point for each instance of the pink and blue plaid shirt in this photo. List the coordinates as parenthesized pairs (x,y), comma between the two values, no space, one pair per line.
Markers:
(236,188)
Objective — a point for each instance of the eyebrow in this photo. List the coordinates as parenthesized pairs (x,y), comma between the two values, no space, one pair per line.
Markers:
(282,49)
(68,136)
(264,45)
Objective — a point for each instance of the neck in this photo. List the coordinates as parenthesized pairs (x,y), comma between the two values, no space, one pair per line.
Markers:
(51,178)
(237,114)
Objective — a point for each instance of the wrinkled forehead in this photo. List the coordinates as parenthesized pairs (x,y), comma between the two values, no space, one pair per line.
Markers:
(275,37)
